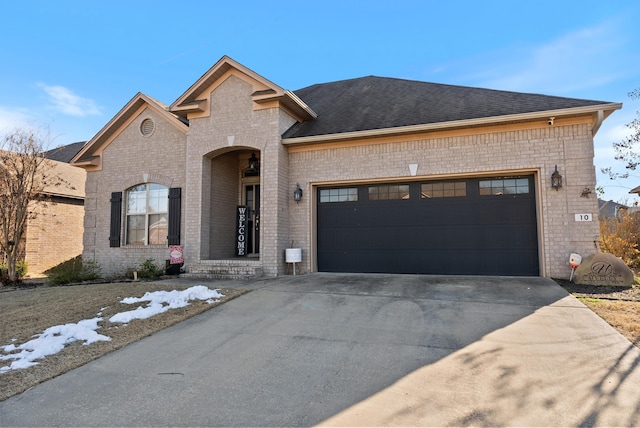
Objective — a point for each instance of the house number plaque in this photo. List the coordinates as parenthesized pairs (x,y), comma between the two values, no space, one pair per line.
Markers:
(584,217)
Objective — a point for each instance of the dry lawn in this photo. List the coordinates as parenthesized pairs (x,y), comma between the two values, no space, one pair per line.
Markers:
(26,312)
(623,315)
(618,306)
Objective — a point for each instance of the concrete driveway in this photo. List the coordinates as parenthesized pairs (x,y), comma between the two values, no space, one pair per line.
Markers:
(338,349)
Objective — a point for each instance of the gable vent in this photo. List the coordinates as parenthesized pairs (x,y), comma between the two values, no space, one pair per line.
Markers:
(147,127)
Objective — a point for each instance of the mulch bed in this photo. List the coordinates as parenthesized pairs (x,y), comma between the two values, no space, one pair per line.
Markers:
(630,294)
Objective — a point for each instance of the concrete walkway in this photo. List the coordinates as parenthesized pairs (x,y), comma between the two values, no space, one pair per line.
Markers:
(368,350)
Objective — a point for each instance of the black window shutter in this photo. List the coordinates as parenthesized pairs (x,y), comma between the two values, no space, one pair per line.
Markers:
(116,213)
(174,215)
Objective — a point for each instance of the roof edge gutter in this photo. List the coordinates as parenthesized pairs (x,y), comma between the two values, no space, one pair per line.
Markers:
(598,122)
(598,109)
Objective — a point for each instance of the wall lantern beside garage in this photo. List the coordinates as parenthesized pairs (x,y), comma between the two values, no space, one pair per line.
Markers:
(556,179)
(297,194)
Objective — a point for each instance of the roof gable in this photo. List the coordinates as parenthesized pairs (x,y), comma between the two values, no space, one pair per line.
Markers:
(90,156)
(377,103)
(195,100)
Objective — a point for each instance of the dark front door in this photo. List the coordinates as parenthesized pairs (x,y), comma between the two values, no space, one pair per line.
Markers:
(252,201)
(480,226)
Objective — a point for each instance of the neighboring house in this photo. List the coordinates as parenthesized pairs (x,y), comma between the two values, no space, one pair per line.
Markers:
(54,228)
(54,234)
(395,176)
(64,153)
(610,209)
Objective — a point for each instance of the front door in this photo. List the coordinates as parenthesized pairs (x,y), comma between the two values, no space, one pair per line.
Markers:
(252,202)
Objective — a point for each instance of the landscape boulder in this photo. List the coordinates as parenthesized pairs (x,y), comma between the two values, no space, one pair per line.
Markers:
(603,269)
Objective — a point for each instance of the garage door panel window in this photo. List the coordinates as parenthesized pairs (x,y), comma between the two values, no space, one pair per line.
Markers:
(389,192)
(347,194)
(507,186)
(443,189)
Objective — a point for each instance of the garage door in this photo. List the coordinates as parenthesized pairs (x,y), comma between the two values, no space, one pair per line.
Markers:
(481,226)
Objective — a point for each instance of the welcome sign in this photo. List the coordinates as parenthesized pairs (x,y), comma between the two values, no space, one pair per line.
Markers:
(241,231)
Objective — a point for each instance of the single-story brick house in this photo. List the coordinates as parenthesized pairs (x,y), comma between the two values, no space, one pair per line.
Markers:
(55,234)
(54,228)
(389,175)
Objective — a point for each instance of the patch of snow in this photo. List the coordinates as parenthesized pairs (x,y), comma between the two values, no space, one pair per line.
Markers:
(8,348)
(51,341)
(162,301)
(54,339)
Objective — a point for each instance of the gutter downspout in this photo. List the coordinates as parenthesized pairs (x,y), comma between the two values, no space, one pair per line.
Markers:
(599,120)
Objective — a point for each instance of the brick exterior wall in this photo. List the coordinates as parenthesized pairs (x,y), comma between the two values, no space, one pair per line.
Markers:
(490,151)
(54,235)
(235,127)
(207,163)
(131,159)
(224,186)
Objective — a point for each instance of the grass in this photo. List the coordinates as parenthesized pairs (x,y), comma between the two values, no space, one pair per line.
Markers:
(26,312)
(622,315)
(619,306)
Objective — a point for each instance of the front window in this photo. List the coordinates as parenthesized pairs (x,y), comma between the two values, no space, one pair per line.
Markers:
(147,214)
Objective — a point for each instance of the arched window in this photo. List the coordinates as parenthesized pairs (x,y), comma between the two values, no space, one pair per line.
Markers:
(147,214)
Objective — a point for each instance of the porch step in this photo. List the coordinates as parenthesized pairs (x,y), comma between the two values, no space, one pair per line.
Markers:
(224,269)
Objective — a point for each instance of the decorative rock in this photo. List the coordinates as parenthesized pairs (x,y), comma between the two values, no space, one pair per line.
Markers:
(603,269)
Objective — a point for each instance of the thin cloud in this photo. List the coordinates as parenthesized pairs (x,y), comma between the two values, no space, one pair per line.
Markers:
(572,63)
(180,55)
(66,102)
(12,118)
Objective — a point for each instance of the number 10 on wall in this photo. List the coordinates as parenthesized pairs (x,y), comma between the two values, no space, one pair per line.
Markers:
(584,217)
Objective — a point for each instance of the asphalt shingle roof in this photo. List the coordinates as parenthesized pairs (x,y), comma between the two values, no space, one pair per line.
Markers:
(64,153)
(371,102)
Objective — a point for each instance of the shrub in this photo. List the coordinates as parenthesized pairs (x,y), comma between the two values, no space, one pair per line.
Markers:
(148,269)
(73,270)
(21,271)
(620,236)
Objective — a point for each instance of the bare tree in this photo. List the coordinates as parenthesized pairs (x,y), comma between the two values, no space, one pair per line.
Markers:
(24,176)
(627,150)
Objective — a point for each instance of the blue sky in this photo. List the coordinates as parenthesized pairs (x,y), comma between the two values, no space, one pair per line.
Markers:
(72,65)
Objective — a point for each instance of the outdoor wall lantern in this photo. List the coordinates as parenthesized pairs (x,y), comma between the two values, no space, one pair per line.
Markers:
(254,167)
(556,179)
(297,194)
